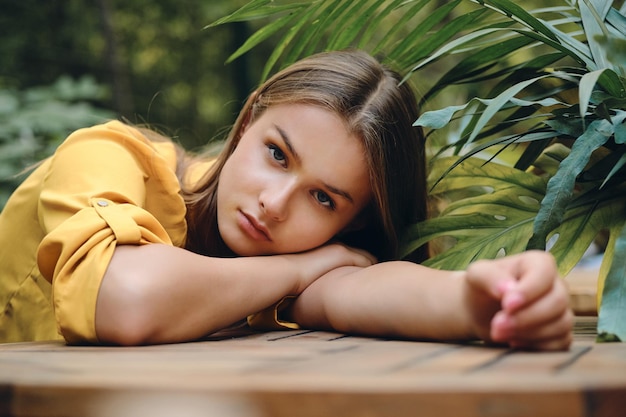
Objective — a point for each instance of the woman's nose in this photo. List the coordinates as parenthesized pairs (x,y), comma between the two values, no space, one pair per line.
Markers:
(274,201)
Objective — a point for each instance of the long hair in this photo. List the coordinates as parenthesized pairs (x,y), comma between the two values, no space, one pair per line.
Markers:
(376,108)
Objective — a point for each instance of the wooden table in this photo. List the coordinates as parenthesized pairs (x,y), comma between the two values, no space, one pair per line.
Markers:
(304,373)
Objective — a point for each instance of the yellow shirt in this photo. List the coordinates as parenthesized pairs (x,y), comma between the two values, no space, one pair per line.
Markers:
(105,185)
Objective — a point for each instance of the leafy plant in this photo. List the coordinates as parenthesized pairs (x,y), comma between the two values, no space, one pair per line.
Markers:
(584,194)
(555,105)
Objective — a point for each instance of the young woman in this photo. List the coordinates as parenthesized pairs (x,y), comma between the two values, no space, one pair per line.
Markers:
(121,238)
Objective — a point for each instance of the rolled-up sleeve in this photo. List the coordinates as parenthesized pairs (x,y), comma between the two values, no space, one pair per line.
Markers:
(95,196)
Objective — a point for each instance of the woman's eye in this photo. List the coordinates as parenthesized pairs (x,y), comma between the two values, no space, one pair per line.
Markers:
(276,153)
(324,199)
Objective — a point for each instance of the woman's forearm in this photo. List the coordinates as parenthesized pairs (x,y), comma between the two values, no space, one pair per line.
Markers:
(160,294)
(395,299)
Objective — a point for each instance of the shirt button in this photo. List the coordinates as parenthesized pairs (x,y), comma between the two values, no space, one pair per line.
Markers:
(102,203)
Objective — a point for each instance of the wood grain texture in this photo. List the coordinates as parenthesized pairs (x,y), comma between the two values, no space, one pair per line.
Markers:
(304,373)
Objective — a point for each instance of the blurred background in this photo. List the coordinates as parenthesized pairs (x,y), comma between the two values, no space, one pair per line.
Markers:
(66,64)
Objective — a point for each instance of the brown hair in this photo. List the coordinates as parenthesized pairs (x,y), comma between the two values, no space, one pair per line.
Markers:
(377,108)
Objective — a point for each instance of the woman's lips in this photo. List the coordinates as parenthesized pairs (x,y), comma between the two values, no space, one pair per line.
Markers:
(253,228)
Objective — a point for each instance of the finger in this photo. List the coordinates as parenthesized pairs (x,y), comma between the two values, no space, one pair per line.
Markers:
(491,277)
(536,273)
(503,275)
(546,309)
(505,330)
(558,336)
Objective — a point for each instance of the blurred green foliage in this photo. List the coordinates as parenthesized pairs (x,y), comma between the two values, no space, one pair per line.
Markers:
(69,63)
(35,120)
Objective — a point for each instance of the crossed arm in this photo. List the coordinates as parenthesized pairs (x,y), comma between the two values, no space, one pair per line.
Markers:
(517,300)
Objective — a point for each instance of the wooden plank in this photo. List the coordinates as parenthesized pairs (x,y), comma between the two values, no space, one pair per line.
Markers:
(313,374)
(582,283)
(99,403)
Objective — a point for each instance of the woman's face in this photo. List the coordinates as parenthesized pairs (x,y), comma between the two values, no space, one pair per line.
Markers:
(295,180)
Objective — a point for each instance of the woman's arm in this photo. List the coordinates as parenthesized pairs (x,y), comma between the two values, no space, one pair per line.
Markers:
(518,300)
(159,293)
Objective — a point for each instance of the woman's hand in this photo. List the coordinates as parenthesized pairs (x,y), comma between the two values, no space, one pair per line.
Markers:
(315,263)
(519,300)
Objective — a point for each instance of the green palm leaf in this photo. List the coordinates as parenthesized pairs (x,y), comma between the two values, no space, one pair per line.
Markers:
(611,323)
(391,37)
(583,223)
(561,186)
(485,225)
(409,49)
(253,10)
(513,10)
(291,34)
(261,35)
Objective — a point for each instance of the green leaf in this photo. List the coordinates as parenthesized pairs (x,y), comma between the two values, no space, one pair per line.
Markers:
(605,337)
(245,12)
(307,38)
(487,56)
(617,20)
(291,33)
(532,153)
(260,35)
(513,10)
(373,26)
(510,139)
(390,37)
(616,168)
(423,48)
(566,126)
(551,158)
(594,26)
(587,84)
(256,9)
(345,33)
(436,119)
(309,43)
(620,133)
(477,235)
(417,45)
(561,186)
(497,103)
(453,45)
(565,43)
(613,84)
(498,219)
(611,314)
(340,13)
(583,222)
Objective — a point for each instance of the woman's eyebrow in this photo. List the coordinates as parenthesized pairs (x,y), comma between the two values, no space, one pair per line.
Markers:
(294,153)
(340,192)
(288,143)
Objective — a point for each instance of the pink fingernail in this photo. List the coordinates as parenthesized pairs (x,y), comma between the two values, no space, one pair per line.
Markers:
(512,300)
(506,286)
